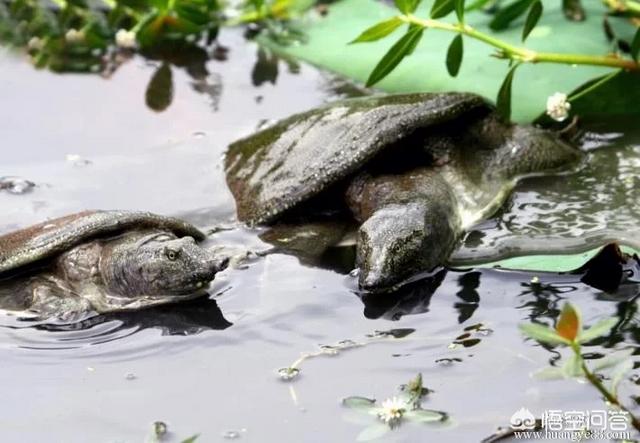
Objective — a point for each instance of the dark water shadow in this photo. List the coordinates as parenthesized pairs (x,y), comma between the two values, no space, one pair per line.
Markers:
(186,318)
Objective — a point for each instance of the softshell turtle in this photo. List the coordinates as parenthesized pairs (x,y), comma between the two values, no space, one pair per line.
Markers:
(414,170)
(103,261)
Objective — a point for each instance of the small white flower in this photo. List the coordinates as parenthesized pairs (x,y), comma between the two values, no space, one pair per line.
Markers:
(74,36)
(558,107)
(35,44)
(392,410)
(126,39)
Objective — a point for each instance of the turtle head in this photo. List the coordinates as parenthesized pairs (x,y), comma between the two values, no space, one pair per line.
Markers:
(532,150)
(159,264)
(399,241)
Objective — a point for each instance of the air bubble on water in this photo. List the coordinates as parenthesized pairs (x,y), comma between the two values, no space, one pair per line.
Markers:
(77,160)
(288,374)
(199,134)
(328,350)
(231,435)
(130,376)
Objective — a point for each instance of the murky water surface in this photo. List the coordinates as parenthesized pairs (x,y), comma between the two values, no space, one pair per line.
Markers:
(210,366)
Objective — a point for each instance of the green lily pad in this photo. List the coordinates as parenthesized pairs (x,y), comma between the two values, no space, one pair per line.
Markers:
(549,263)
(425,69)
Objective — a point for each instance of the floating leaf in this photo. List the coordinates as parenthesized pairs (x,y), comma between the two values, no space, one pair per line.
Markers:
(372,432)
(599,329)
(454,55)
(441,8)
(542,333)
(359,403)
(535,12)
(425,415)
(635,45)
(460,10)
(503,102)
(506,15)
(378,31)
(398,51)
(191,439)
(569,325)
(543,263)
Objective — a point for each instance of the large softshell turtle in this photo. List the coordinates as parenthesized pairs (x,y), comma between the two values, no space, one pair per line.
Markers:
(415,170)
(103,261)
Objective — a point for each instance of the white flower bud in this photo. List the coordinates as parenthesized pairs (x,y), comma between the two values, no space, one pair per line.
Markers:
(74,36)
(126,39)
(558,107)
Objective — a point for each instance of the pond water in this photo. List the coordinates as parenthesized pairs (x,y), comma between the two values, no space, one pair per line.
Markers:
(209,367)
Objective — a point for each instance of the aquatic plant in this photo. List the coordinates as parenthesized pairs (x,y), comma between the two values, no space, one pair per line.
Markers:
(392,412)
(569,332)
(515,55)
(88,36)
(293,370)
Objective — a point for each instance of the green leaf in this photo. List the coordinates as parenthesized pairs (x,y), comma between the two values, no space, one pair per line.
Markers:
(326,47)
(407,6)
(460,10)
(454,55)
(379,30)
(611,360)
(635,45)
(541,263)
(506,15)
(542,333)
(599,329)
(572,367)
(425,415)
(373,432)
(503,102)
(191,439)
(618,375)
(359,403)
(569,323)
(442,8)
(394,56)
(535,12)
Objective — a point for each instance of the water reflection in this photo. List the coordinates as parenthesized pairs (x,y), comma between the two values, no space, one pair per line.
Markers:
(187,318)
(410,299)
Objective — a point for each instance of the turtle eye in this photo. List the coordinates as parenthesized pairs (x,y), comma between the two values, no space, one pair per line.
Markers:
(171,254)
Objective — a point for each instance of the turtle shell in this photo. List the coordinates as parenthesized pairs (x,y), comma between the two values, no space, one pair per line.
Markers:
(53,237)
(281,166)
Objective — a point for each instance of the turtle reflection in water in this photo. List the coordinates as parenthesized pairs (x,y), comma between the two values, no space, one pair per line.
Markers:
(103,261)
(414,171)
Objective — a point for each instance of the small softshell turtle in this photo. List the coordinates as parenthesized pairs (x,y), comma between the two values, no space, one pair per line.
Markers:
(414,170)
(103,261)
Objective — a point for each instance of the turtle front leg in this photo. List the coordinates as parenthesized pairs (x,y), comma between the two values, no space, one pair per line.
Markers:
(410,225)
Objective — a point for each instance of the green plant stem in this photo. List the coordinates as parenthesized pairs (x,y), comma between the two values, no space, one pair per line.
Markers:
(517,53)
(595,381)
(622,5)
